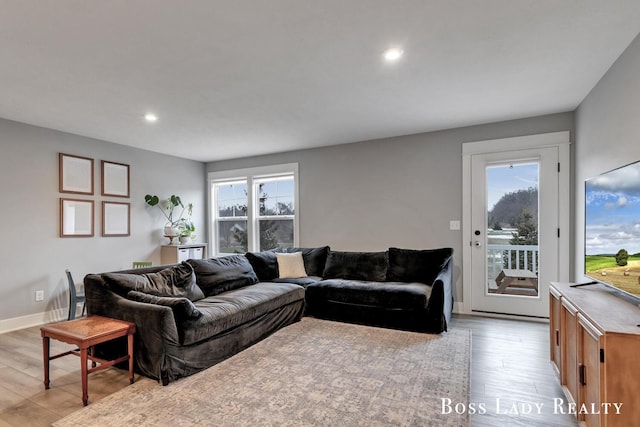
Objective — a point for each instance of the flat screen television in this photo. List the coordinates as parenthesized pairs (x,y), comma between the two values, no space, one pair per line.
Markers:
(612,229)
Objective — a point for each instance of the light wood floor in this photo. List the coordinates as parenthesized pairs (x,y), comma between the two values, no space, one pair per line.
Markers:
(510,361)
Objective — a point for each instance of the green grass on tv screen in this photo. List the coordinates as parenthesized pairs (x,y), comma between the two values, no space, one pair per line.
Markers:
(598,262)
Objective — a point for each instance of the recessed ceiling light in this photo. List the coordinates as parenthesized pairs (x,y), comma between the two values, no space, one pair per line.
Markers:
(150,117)
(392,54)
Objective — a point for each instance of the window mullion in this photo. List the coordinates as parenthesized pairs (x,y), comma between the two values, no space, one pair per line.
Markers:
(251,216)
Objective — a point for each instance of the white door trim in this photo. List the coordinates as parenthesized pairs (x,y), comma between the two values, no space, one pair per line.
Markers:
(557,139)
(516,143)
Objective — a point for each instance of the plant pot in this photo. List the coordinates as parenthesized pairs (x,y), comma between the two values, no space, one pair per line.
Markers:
(170,231)
(184,240)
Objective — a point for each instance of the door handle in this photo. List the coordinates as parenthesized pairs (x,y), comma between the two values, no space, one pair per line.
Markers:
(477,243)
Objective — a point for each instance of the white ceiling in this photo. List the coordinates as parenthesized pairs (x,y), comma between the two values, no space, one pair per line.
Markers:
(243,77)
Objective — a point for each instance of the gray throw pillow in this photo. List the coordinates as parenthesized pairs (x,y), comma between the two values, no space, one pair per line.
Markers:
(367,266)
(175,281)
(182,307)
(264,264)
(217,275)
(410,265)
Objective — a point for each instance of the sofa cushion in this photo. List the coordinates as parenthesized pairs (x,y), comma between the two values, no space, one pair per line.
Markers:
(388,295)
(370,266)
(264,264)
(182,307)
(290,265)
(314,258)
(409,265)
(174,281)
(302,281)
(228,310)
(217,275)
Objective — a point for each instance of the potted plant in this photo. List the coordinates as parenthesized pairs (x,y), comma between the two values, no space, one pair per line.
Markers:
(168,209)
(186,228)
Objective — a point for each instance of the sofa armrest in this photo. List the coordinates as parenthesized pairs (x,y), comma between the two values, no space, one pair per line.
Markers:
(155,325)
(147,317)
(440,305)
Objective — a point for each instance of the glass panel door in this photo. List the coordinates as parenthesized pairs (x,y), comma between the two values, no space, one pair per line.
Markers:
(514,226)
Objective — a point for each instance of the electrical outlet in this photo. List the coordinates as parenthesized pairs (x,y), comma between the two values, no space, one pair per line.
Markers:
(39,295)
(454,225)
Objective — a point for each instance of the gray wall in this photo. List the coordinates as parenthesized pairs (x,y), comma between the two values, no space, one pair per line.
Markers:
(34,257)
(401,191)
(607,132)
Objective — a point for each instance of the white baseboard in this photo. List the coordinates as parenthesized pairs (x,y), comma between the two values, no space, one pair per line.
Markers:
(37,319)
(458,308)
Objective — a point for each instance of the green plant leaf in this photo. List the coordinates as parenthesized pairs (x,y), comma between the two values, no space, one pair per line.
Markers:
(151,200)
(175,200)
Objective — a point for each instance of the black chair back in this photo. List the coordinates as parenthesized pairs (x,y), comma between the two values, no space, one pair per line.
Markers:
(74,297)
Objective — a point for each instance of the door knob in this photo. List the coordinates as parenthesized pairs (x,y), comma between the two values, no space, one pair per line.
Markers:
(478,243)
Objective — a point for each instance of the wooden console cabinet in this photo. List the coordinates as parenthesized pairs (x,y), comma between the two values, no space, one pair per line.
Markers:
(174,254)
(595,350)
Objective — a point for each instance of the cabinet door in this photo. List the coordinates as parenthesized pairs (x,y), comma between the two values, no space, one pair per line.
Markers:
(621,378)
(554,330)
(569,349)
(590,373)
(183,254)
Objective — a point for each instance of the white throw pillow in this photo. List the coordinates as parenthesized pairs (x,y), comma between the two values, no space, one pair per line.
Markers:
(291,266)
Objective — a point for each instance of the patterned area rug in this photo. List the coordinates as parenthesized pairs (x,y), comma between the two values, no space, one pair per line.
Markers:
(312,373)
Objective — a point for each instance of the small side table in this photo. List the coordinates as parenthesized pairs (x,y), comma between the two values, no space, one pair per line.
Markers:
(85,333)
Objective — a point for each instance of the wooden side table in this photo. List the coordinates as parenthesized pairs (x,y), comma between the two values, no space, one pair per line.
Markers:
(85,333)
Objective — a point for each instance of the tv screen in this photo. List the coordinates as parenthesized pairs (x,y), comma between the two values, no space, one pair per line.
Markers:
(612,228)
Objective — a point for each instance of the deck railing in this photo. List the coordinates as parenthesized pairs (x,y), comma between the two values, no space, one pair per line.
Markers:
(516,257)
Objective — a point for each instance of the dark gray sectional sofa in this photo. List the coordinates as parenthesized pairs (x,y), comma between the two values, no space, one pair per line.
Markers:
(193,315)
(399,288)
(180,332)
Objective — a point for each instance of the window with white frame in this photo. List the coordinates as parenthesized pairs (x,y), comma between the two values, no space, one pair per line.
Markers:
(231,210)
(254,209)
(275,216)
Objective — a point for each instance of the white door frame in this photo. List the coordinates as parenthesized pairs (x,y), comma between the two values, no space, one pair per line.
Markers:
(554,139)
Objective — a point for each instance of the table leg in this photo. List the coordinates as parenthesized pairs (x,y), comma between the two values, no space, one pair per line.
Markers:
(502,287)
(130,351)
(93,362)
(45,357)
(84,373)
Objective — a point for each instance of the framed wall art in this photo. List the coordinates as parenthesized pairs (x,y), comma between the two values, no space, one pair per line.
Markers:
(76,218)
(75,174)
(116,219)
(115,179)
